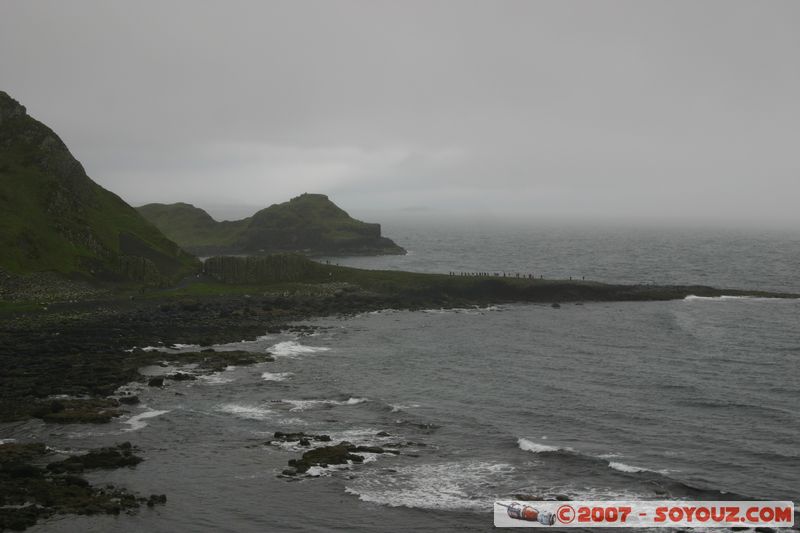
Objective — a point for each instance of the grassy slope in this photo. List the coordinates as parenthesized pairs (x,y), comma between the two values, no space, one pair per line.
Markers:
(192,227)
(54,218)
(310,223)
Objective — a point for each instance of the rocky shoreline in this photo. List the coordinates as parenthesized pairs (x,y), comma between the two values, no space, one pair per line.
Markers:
(67,363)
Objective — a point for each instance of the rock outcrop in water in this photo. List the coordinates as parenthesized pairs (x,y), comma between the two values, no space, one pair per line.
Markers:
(310,224)
(54,218)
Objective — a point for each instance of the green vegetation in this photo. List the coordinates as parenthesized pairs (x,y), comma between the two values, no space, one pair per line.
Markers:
(54,218)
(193,228)
(310,224)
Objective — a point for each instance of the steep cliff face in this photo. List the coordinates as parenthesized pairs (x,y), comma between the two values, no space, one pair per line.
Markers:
(310,223)
(53,217)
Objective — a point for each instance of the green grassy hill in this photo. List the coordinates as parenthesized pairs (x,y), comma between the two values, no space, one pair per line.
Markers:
(310,224)
(53,218)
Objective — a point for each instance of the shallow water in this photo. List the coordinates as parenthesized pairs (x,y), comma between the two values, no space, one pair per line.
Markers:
(689,398)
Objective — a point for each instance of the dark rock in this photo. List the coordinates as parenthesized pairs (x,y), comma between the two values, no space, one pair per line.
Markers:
(765,530)
(78,411)
(382,434)
(17,470)
(556,306)
(528,497)
(562,497)
(157,381)
(129,400)
(181,376)
(303,439)
(75,481)
(374,449)
(327,455)
(106,458)
(156,499)
(13,452)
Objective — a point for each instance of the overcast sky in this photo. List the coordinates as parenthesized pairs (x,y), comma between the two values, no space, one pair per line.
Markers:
(671,109)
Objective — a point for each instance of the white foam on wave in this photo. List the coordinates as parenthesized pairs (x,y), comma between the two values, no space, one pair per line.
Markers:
(321,471)
(216,379)
(360,436)
(725,298)
(250,412)
(396,408)
(433,486)
(172,347)
(138,422)
(294,349)
(276,376)
(7,441)
(535,447)
(302,405)
(463,310)
(622,467)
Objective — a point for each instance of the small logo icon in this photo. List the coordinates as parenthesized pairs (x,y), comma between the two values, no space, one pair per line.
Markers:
(565,514)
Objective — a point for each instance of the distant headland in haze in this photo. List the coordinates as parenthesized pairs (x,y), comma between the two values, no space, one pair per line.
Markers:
(310,224)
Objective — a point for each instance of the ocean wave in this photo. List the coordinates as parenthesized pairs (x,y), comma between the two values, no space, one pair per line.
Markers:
(462,310)
(216,379)
(622,467)
(250,412)
(396,408)
(294,349)
(302,405)
(535,447)
(725,298)
(276,376)
(433,486)
(138,422)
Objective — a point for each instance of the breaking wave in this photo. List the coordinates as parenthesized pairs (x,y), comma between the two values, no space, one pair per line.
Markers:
(293,349)
(250,412)
(138,422)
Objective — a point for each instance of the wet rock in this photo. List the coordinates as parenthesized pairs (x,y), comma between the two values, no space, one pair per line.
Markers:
(765,530)
(303,439)
(156,499)
(338,454)
(128,400)
(157,381)
(556,306)
(13,452)
(181,376)
(562,497)
(214,361)
(382,434)
(21,470)
(75,481)
(374,449)
(105,458)
(78,411)
(28,492)
(528,497)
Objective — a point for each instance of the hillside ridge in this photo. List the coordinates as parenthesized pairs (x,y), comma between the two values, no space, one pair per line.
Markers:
(310,224)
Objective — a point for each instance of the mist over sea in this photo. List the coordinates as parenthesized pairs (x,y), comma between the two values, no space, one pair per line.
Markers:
(697,398)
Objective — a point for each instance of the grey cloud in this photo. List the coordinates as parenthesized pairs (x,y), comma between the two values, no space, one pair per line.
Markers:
(672,108)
